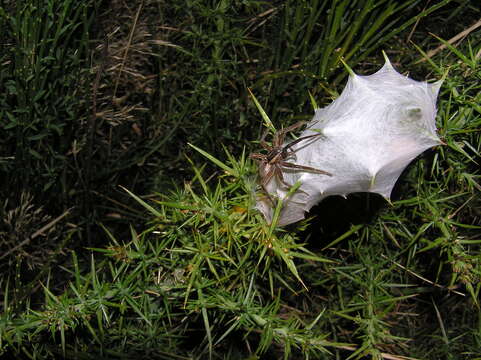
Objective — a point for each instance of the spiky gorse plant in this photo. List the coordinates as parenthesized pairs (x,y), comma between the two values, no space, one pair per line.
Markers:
(200,263)
(209,265)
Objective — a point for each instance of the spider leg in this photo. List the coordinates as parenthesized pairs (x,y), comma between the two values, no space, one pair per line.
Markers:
(299,140)
(258,156)
(280,176)
(287,152)
(266,193)
(293,127)
(263,140)
(280,135)
(302,167)
(267,172)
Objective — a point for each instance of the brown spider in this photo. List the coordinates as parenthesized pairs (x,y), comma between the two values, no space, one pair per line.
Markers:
(272,163)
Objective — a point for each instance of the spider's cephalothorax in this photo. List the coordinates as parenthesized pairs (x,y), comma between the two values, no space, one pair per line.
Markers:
(272,163)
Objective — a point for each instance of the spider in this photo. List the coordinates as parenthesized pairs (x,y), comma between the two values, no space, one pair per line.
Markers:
(272,163)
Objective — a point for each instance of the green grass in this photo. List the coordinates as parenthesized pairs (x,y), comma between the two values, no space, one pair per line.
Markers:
(194,259)
(42,56)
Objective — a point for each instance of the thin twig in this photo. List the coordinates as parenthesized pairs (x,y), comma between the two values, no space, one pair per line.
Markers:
(441,323)
(36,233)
(423,278)
(129,43)
(416,24)
(451,41)
(87,179)
(384,355)
(266,15)
(460,208)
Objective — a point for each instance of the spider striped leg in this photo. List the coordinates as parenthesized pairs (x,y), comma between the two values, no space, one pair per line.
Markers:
(293,127)
(280,135)
(306,168)
(280,176)
(263,142)
(288,146)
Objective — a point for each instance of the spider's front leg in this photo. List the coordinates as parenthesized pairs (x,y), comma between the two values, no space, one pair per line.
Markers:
(288,146)
(293,127)
(280,135)
(263,142)
(280,175)
(259,157)
(306,168)
(266,173)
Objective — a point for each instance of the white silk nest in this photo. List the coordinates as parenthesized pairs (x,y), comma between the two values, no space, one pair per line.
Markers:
(368,135)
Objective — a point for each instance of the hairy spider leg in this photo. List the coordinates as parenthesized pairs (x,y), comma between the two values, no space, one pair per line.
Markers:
(280,175)
(288,146)
(271,163)
(258,156)
(292,127)
(302,167)
(280,135)
(267,173)
(263,142)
